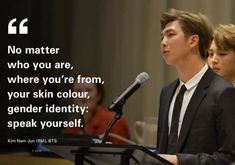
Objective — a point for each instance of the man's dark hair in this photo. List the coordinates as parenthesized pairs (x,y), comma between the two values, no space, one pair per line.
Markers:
(192,24)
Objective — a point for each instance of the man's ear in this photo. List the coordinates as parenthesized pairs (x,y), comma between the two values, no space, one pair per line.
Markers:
(193,41)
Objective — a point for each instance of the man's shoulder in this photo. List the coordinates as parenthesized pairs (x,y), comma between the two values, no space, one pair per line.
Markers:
(170,85)
(219,83)
(215,84)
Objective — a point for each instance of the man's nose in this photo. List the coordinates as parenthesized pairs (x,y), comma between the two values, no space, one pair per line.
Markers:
(215,58)
(163,42)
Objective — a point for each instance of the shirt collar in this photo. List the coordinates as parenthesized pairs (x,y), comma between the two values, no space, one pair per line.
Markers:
(195,79)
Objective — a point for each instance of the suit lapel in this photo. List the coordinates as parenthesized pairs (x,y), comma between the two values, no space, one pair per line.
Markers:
(165,109)
(193,105)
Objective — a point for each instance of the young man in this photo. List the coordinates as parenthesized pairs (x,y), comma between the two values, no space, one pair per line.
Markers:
(222,52)
(196,125)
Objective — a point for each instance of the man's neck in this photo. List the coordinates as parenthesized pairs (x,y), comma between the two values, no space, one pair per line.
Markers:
(190,68)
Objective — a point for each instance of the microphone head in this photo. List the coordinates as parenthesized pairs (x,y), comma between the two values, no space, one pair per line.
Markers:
(142,77)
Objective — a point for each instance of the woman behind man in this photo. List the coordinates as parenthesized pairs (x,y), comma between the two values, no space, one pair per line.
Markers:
(222,52)
(98,117)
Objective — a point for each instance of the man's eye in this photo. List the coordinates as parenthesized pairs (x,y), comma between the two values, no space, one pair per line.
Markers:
(222,53)
(210,54)
(170,34)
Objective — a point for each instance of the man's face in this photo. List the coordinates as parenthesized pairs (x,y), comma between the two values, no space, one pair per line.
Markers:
(222,62)
(174,45)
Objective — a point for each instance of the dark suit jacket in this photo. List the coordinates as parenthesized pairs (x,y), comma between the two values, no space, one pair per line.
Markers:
(208,130)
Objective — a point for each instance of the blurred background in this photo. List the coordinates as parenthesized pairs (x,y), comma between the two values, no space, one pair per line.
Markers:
(117,39)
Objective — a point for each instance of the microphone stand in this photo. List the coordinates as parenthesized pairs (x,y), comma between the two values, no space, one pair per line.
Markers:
(118,109)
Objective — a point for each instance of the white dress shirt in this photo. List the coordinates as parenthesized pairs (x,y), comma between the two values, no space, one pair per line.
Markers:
(191,85)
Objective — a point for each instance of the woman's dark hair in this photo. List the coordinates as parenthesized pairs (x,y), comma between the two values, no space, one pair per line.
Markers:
(99,86)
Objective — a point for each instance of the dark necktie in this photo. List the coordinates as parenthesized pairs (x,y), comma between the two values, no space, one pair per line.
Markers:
(173,136)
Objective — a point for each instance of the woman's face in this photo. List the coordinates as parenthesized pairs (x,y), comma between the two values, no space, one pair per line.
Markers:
(92,101)
(222,62)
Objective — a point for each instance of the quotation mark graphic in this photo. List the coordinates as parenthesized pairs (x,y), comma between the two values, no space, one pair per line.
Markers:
(13,29)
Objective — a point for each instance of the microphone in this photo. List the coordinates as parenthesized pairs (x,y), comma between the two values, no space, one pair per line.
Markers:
(121,99)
